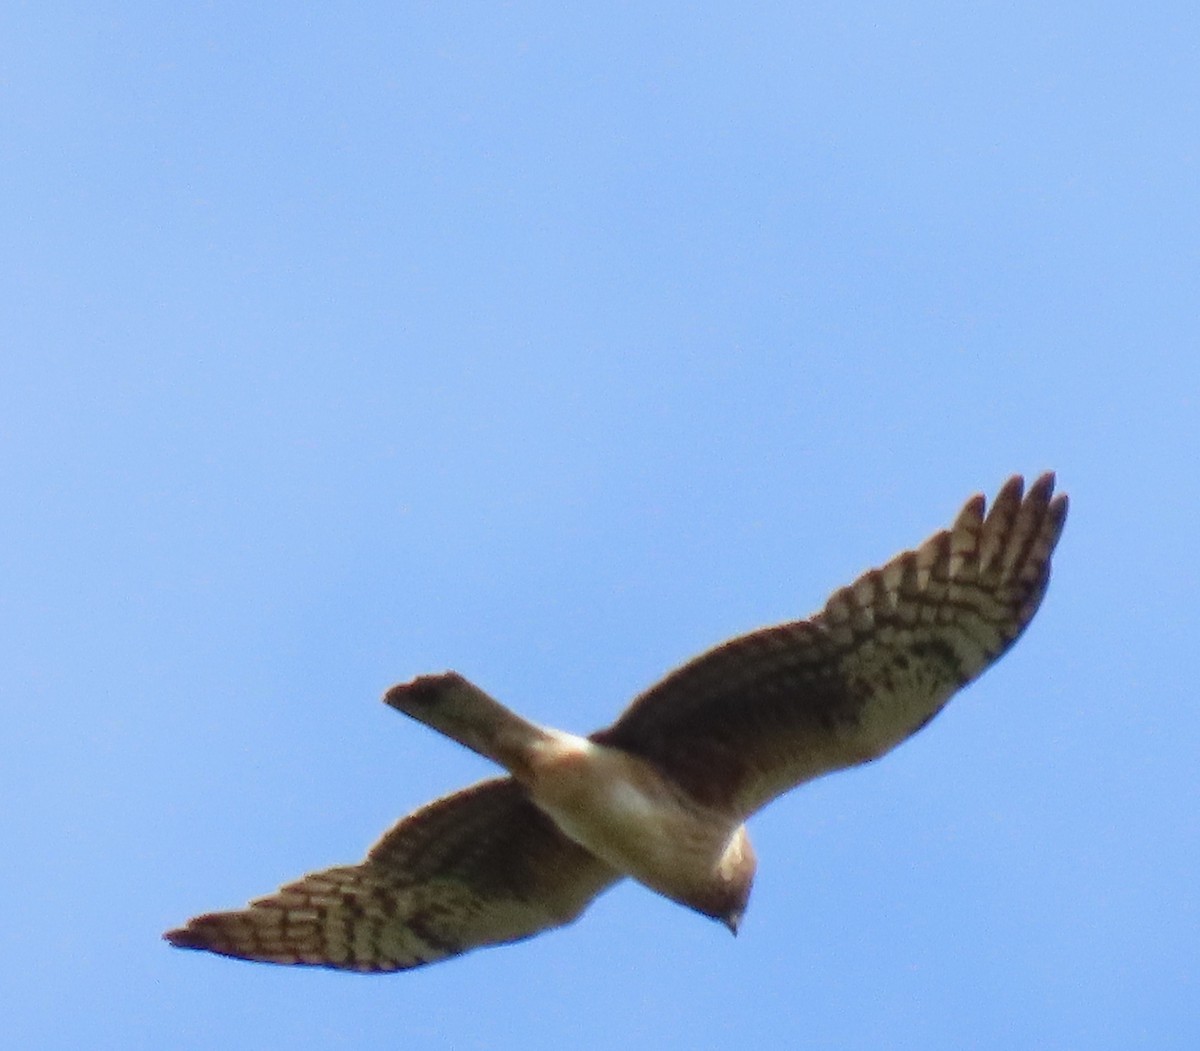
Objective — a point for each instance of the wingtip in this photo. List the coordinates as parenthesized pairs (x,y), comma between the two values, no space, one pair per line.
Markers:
(1014,493)
(1059,506)
(972,511)
(183,938)
(1012,489)
(1041,493)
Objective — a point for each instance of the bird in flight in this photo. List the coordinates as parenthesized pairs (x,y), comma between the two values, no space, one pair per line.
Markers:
(662,795)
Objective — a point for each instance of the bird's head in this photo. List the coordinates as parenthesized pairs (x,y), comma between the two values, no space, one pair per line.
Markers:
(729,894)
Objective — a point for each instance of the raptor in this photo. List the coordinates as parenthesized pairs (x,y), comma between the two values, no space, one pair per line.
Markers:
(663,794)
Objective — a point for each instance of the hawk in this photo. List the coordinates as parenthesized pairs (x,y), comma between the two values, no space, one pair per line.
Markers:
(662,795)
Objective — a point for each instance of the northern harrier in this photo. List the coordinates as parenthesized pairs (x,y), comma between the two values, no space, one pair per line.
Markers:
(662,794)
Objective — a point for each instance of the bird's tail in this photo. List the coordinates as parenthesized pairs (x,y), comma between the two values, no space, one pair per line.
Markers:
(463,712)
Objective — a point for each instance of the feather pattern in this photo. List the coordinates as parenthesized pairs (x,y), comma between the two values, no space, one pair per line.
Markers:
(767,711)
(663,792)
(480,867)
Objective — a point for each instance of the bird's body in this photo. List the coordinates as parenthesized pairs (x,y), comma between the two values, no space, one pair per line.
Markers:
(619,807)
(624,811)
(663,794)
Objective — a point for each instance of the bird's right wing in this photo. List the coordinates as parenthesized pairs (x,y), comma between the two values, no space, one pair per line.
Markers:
(480,867)
(751,719)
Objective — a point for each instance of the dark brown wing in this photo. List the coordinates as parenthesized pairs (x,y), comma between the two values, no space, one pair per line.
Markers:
(751,719)
(480,867)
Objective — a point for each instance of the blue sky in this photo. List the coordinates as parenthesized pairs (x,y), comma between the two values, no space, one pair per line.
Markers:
(554,344)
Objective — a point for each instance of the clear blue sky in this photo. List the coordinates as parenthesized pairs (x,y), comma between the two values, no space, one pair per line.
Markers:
(554,343)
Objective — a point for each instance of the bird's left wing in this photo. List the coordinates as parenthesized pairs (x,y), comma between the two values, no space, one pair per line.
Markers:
(764,712)
(480,867)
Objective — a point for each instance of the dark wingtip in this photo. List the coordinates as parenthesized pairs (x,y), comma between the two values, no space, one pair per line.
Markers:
(1059,507)
(1012,489)
(1042,492)
(1044,481)
(184,938)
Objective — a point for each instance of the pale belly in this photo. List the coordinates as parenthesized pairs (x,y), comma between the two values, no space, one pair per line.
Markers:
(621,810)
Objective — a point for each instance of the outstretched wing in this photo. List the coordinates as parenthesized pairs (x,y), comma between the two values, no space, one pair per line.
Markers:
(751,719)
(480,867)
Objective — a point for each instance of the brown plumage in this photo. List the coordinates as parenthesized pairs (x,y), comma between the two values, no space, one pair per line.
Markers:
(662,794)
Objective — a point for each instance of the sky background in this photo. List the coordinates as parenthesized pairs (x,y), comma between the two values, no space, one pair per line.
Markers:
(553,344)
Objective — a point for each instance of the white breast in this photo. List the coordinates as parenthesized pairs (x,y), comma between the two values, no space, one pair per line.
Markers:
(623,811)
